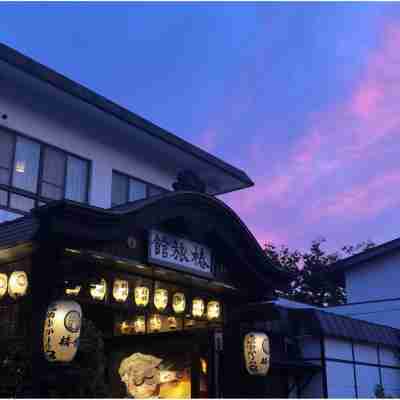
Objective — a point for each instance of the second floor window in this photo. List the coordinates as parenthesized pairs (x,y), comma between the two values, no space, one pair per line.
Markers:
(126,189)
(32,173)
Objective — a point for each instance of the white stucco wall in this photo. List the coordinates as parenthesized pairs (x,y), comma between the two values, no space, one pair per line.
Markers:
(49,115)
(375,279)
(340,379)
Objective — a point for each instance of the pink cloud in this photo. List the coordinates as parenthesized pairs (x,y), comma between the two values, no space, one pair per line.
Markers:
(364,201)
(342,167)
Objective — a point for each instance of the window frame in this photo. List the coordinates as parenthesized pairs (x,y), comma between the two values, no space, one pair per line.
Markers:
(37,196)
(129,177)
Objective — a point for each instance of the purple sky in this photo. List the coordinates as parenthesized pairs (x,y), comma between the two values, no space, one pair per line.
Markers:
(303,97)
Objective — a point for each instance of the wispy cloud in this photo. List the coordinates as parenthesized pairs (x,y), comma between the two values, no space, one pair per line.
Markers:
(344,165)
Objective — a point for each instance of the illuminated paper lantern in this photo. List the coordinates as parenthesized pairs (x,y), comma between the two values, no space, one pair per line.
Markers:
(126,327)
(120,290)
(161,299)
(155,323)
(178,302)
(98,290)
(197,307)
(140,324)
(18,284)
(62,329)
(213,310)
(257,353)
(73,291)
(142,296)
(3,285)
(172,323)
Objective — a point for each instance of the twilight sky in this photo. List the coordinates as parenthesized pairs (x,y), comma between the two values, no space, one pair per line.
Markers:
(304,97)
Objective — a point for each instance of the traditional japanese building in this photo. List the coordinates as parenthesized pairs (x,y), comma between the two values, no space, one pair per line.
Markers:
(122,274)
(114,222)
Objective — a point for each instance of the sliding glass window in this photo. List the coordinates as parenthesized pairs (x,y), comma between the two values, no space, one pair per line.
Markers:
(33,173)
(126,189)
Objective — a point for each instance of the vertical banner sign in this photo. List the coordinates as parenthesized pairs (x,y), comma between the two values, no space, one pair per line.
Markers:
(62,329)
(257,353)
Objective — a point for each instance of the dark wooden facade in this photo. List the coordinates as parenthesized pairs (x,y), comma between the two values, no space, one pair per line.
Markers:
(64,244)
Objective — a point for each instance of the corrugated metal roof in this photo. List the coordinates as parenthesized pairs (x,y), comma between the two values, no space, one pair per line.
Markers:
(20,230)
(339,326)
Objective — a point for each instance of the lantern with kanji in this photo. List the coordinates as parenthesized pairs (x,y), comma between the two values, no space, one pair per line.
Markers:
(197,307)
(178,302)
(140,324)
(155,323)
(99,290)
(161,299)
(257,353)
(213,310)
(142,296)
(3,284)
(61,332)
(18,284)
(120,290)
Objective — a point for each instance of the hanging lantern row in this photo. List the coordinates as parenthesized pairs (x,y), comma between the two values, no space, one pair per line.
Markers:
(141,297)
(16,285)
(154,322)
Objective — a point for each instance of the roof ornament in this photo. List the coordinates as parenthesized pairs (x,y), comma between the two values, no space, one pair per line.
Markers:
(188,180)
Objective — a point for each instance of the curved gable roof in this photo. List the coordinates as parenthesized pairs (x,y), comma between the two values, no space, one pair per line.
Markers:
(101,224)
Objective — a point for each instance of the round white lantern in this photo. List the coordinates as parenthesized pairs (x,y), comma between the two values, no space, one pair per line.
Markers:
(120,290)
(3,285)
(140,324)
(213,310)
(98,290)
(62,329)
(161,299)
(197,307)
(178,302)
(18,284)
(257,353)
(155,323)
(126,327)
(142,296)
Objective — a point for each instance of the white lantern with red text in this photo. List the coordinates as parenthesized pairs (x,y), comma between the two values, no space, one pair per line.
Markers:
(257,353)
(62,329)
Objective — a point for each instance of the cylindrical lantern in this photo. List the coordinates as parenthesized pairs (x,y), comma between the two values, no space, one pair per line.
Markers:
(18,284)
(3,284)
(257,353)
(62,329)
(178,302)
(155,323)
(213,310)
(126,327)
(73,291)
(142,295)
(172,323)
(98,290)
(161,299)
(189,323)
(140,324)
(120,290)
(197,307)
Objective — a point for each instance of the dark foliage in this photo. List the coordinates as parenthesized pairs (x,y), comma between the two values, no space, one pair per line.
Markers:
(82,378)
(313,283)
